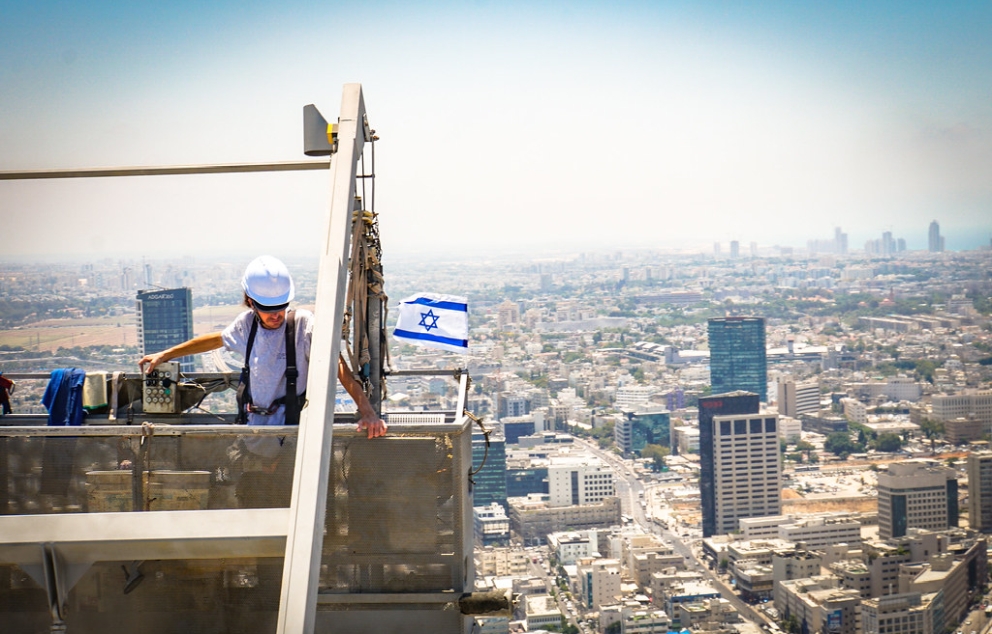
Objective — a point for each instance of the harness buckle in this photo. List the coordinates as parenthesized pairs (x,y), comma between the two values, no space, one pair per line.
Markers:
(262,411)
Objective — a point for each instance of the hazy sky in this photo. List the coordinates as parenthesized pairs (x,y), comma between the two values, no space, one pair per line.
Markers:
(504,125)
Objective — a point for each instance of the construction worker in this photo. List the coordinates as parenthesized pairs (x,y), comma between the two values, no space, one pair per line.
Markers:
(268,290)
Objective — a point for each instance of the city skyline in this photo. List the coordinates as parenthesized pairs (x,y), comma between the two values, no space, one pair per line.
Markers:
(503,127)
(810,246)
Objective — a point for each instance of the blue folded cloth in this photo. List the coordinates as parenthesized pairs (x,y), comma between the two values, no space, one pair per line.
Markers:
(63,397)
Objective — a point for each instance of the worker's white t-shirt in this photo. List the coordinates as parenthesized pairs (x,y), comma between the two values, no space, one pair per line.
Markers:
(268,361)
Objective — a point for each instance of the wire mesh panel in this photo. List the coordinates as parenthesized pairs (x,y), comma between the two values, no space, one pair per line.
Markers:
(42,474)
(397,524)
(398,541)
(152,597)
(393,521)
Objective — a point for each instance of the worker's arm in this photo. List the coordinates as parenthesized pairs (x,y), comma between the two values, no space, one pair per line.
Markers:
(367,418)
(196,345)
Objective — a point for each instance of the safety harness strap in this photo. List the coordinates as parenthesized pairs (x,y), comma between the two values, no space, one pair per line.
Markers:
(244,387)
(292,398)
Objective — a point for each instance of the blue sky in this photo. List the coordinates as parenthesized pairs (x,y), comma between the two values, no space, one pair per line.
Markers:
(504,125)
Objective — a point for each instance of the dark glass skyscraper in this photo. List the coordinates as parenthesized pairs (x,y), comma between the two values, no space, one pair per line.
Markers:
(737,355)
(513,430)
(165,318)
(490,481)
(523,482)
(710,406)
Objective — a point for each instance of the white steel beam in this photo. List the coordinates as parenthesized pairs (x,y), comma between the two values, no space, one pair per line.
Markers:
(305,534)
(92,537)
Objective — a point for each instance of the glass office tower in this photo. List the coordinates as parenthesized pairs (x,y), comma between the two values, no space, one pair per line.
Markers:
(165,318)
(642,428)
(490,481)
(737,355)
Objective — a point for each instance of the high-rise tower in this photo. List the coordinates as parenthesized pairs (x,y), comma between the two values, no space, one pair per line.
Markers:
(737,355)
(840,241)
(490,481)
(165,318)
(935,241)
(739,461)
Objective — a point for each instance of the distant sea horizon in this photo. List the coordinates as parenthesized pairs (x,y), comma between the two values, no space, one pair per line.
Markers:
(955,239)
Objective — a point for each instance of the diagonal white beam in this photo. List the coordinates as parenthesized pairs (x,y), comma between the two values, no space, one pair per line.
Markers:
(163,170)
(305,534)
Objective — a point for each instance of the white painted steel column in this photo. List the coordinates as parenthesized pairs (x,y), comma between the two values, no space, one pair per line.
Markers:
(305,534)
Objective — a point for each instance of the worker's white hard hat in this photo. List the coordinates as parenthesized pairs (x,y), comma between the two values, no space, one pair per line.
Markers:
(267,282)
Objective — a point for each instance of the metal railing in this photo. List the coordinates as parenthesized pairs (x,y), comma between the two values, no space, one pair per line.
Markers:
(110,525)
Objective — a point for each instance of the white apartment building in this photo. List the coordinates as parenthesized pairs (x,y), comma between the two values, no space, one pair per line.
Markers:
(491,524)
(631,397)
(815,531)
(854,410)
(645,554)
(790,429)
(761,527)
(972,404)
(797,398)
(818,532)
(507,313)
(572,546)
(686,438)
(747,468)
(980,491)
(599,583)
(916,494)
(501,562)
(574,482)
(707,615)
(795,564)
(643,621)
(820,603)
(623,432)
(894,388)
(541,611)
(851,273)
(897,614)
(533,518)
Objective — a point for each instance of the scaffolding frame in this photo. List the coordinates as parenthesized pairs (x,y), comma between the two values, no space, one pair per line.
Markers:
(59,548)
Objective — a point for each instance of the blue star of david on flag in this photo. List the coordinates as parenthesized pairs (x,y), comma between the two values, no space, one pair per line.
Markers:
(429,315)
(444,325)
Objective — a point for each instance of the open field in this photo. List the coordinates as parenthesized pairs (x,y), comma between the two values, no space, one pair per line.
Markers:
(214,318)
(49,336)
(52,334)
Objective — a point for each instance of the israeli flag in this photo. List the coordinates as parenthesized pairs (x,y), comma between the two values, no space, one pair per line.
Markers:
(433,320)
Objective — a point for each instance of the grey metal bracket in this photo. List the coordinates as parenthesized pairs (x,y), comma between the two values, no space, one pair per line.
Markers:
(58,578)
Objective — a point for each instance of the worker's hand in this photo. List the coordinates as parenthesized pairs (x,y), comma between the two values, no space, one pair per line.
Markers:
(151,360)
(373,424)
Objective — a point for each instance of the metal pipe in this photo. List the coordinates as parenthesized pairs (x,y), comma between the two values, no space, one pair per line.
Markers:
(165,170)
(206,376)
(450,372)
